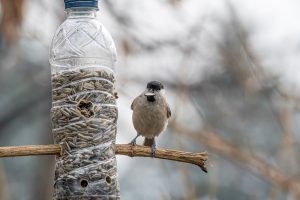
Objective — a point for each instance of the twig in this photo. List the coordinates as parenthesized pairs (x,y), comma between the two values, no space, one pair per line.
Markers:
(30,150)
(121,149)
(142,151)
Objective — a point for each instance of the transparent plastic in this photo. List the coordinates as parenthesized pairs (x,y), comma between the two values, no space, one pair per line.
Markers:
(84,112)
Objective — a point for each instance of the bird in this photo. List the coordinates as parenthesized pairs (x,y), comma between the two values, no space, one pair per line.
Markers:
(151,113)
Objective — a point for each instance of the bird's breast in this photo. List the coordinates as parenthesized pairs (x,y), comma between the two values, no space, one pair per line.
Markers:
(149,119)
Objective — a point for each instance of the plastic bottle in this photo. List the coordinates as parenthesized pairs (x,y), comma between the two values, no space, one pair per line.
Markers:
(84,112)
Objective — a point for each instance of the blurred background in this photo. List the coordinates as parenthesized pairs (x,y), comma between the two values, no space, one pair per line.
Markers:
(230,69)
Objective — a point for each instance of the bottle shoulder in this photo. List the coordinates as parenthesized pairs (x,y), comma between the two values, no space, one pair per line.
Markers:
(82,38)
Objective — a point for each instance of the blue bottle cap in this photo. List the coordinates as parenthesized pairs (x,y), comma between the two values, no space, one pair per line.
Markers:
(81,3)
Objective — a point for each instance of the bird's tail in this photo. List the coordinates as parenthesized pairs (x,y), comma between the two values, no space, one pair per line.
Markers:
(148,142)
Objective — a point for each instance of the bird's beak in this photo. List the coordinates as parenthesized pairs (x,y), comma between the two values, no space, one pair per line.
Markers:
(149,94)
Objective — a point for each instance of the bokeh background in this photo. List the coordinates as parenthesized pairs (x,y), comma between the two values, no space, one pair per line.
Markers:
(231,72)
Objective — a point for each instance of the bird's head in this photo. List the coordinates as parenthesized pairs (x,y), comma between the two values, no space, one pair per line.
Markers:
(153,89)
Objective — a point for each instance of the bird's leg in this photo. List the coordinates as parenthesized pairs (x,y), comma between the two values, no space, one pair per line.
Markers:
(153,148)
(133,142)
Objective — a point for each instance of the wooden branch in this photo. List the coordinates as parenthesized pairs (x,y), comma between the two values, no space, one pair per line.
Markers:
(30,150)
(121,149)
(142,151)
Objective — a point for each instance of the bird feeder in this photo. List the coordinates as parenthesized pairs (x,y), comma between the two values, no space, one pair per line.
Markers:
(84,112)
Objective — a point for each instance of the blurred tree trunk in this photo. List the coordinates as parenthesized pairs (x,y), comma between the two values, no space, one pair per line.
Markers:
(11,19)
(4,195)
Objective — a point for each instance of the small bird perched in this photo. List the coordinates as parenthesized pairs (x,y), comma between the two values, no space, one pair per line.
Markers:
(150,114)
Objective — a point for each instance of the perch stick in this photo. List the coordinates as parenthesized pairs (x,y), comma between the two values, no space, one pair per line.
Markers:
(121,149)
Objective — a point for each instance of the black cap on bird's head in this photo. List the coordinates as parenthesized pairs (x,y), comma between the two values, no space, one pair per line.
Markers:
(155,86)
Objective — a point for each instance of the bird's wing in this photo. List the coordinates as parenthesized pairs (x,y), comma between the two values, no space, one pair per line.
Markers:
(133,103)
(168,111)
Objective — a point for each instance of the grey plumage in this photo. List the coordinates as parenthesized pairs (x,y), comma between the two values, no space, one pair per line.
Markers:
(150,113)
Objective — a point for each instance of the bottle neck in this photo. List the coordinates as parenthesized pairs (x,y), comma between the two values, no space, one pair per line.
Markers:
(81,12)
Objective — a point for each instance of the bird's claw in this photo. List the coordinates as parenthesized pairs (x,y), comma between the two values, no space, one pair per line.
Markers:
(133,142)
(153,150)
